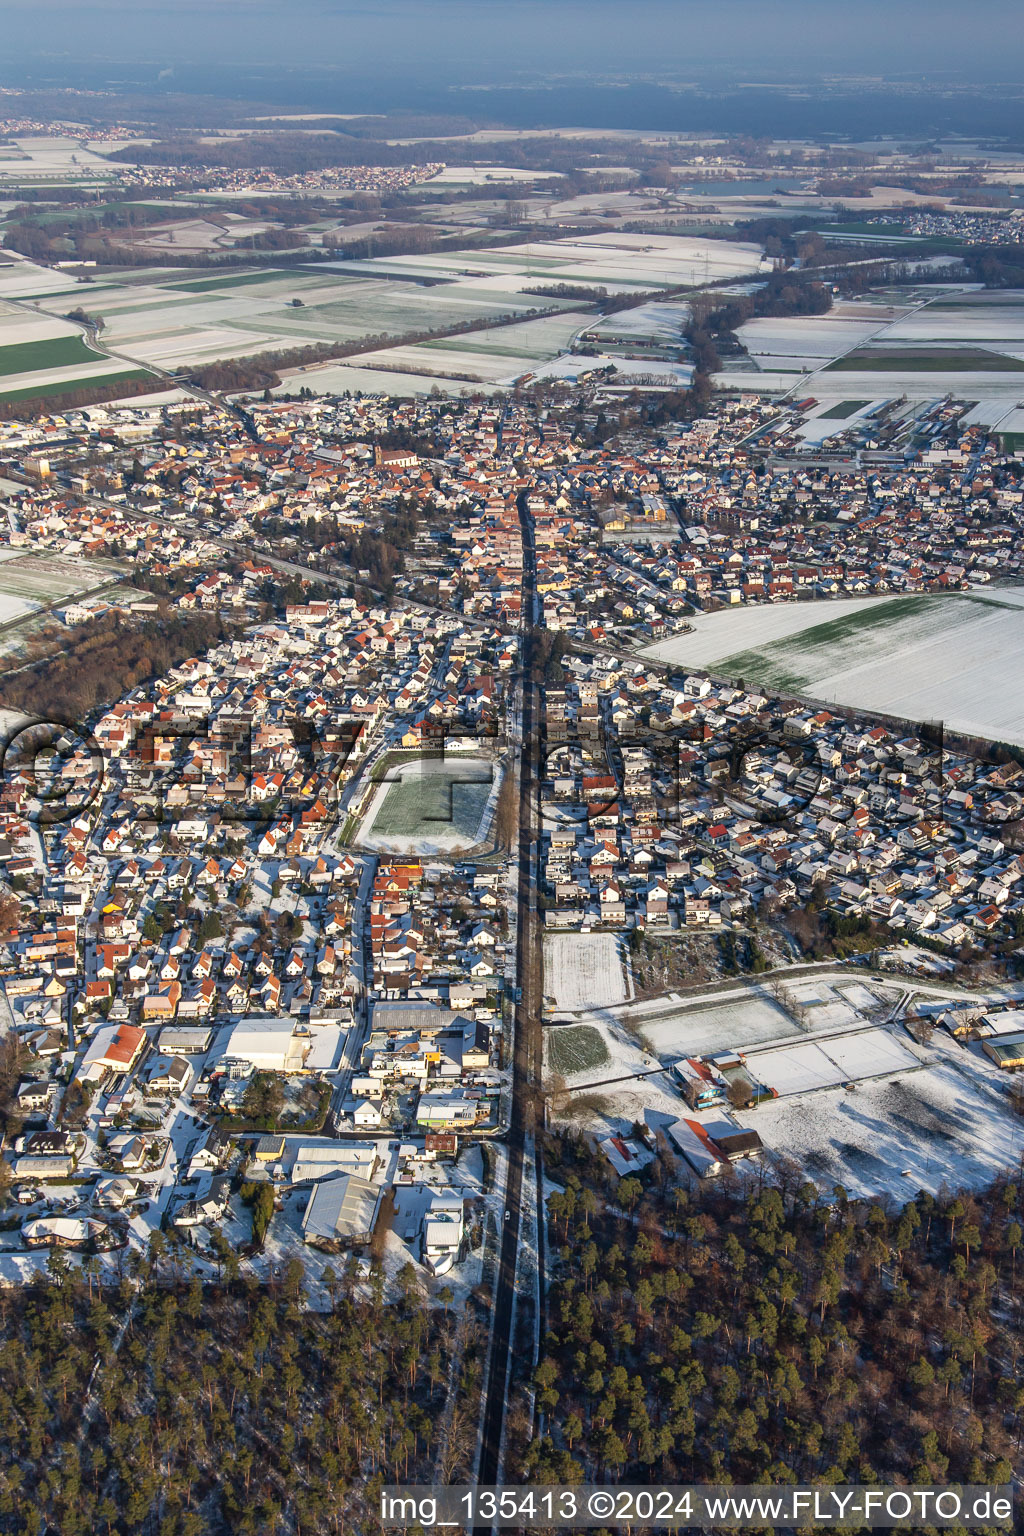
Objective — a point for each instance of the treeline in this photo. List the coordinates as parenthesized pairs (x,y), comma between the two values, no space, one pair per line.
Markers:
(380,552)
(228,1407)
(108,238)
(291,153)
(710,323)
(261,371)
(57,400)
(108,657)
(754,1332)
(594,295)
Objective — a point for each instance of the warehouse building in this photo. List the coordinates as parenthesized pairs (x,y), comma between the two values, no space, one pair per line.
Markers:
(341,1212)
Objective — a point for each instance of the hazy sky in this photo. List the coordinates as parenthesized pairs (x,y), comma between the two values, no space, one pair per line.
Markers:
(489,39)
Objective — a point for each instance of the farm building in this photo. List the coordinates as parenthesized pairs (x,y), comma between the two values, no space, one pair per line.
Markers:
(697,1148)
(1007,1051)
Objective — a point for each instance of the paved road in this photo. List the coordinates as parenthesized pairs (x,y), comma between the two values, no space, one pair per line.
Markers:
(527,1042)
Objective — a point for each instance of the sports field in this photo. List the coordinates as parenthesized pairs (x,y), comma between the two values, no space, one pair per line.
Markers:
(431,806)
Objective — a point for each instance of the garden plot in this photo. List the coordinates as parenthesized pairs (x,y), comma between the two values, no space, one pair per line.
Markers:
(584,970)
(575,1048)
(729,1025)
(806,1065)
(946,1125)
(431,806)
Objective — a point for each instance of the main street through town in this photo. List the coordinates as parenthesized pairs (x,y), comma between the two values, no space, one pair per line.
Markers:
(523,1180)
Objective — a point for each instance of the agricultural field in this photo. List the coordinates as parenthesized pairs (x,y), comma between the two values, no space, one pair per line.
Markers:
(575,1048)
(431,806)
(170,318)
(29,581)
(661,321)
(336,378)
(960,655)
(44,354)
(919,342)
(583,970)
(804,343)
(63,162)
(619,262)
(498,355)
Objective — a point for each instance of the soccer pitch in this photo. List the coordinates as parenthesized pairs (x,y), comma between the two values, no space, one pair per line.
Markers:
(431,806)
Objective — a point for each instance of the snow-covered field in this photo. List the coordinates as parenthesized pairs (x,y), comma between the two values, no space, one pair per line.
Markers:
(335,378)
(810,341)
(498,355)
(617,261)
(660,320)
(946,1124)
(431,806)
(584,970)
(803,1065)
(943,319)
(731,1024)
(717,635)
(28,580)
(959,655)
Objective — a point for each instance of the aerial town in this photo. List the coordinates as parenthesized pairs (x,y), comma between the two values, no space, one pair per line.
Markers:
(511,793)
(261,929)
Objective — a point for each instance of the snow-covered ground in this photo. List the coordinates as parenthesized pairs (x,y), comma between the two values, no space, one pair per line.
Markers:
(584,970)
(717,635)
(725,1024)
(960,657)
(947,1124)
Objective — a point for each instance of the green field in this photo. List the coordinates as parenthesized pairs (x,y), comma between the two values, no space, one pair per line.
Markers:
(272,275)
(843,409)
(575,1048)
(67,386)
(926,360)
(54,352)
